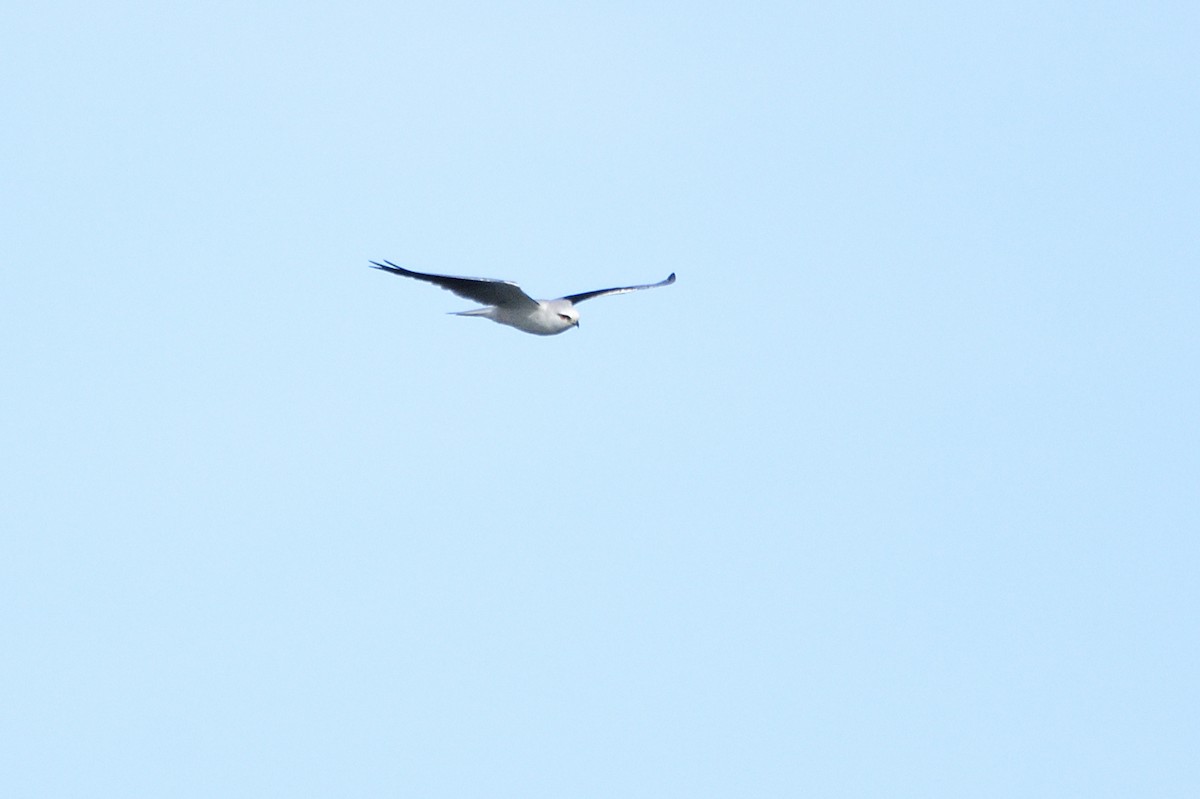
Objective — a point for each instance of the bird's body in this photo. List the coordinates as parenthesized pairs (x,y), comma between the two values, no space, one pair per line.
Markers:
(547,318)
(507,304)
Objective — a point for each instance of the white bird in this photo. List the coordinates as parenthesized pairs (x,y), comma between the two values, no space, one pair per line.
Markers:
(508,305)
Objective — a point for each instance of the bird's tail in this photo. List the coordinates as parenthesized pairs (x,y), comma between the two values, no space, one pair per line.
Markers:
(475,312)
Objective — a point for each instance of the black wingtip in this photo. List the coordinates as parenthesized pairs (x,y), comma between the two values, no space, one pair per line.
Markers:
(670,278)
(387,266)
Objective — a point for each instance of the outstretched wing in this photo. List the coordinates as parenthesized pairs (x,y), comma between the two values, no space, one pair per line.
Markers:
(479,289)
(587,295)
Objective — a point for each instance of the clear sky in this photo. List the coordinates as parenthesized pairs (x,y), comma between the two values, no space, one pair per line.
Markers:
(895,493)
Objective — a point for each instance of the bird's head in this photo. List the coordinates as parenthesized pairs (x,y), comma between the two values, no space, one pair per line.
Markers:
(565,312)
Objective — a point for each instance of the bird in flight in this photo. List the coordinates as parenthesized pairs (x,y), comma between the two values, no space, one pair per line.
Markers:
(507,304)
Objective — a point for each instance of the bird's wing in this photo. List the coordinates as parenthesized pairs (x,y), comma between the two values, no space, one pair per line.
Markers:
(479,289)
(587,295)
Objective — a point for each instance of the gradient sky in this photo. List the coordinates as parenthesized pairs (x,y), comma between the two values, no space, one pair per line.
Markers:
(895,493)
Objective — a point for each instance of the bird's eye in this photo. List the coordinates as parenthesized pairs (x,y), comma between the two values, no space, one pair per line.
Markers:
(564,317)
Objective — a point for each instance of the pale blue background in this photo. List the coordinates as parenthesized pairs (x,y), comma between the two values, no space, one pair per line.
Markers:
(894,494)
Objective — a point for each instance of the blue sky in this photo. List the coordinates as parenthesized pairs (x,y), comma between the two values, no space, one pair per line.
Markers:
(894,493)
